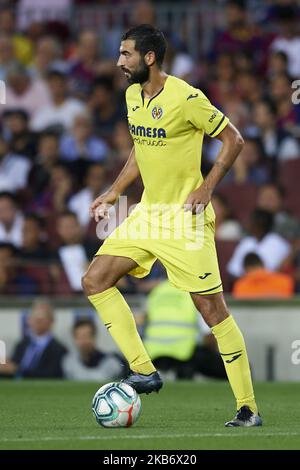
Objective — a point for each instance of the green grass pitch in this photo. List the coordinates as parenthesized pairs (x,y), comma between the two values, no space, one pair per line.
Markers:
(184,415)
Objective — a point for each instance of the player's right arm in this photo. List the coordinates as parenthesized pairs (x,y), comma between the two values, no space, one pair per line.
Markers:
(100,206)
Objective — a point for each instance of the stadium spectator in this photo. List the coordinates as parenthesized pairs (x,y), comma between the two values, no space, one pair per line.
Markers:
(11,220)
(172,333)
(278,144)
(80,202)
(23,47)
(122,144)
(105,108)
(249,88)
(13,279)
(16,131)
(81,143)
(61,112)
(288,40)
(84,68)
(222,87)
(7,54)
(87,362)
(24,92)
(281,94)
(47,157)
(271,247)
(239,70)
(14,169)
(38,354)
(249,167)
(48,55)
(239,33)
(34,246)
(227,228)
(177,61)
(271,198)
(243,61)
(260,283)
(277,64)
(121,148)
(143,13)
(74,251)
(53,199)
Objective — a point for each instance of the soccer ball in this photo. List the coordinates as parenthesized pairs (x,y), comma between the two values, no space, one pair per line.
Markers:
(116,405)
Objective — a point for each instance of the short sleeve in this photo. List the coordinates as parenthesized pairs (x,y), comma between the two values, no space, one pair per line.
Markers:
(199,111)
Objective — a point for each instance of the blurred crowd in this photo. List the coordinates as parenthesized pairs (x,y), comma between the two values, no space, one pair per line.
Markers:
(64,138)
(184,350)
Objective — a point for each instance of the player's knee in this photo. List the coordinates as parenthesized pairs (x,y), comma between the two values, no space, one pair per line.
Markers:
(94,282)
(87,283)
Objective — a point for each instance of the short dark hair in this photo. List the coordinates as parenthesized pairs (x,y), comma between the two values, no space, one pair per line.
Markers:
(269,104)
(9,246)
(278,187)
(251,260)
(19,112)
(8,195)
(282,55)
(49,134)
(240,4)
(103,81)
(37,219)
(85,322)
(55,73)
(147,38)
(68,213)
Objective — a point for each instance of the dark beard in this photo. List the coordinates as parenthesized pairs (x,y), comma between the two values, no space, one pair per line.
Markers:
(141,75)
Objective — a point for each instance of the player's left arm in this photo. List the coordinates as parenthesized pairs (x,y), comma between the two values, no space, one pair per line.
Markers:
(232,145)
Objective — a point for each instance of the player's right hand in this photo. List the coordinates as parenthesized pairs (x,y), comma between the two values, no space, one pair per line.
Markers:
(99,208)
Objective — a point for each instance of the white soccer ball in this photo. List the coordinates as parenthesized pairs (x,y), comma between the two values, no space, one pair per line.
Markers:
(116,405)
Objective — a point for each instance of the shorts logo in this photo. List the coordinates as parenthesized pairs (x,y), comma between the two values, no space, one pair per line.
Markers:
(157,112)
(204,276)
(192,96)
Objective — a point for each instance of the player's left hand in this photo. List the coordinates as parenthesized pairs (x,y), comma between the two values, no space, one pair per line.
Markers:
(198,200)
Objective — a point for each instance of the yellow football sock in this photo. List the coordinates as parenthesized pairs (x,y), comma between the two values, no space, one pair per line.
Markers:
(118,319)
(233,351)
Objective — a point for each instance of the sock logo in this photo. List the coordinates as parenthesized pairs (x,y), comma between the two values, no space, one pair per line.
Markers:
(204,276)
(235,355)
(108,325)
(233,359)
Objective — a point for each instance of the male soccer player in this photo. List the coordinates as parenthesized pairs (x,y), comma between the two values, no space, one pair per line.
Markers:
(167,120)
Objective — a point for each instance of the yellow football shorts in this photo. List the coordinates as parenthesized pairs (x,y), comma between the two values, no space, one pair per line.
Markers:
(191,265)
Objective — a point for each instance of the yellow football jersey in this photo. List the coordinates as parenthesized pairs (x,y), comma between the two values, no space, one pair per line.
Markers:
(167,132)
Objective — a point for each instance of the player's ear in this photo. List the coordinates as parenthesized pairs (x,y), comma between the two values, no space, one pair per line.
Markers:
(149,58)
